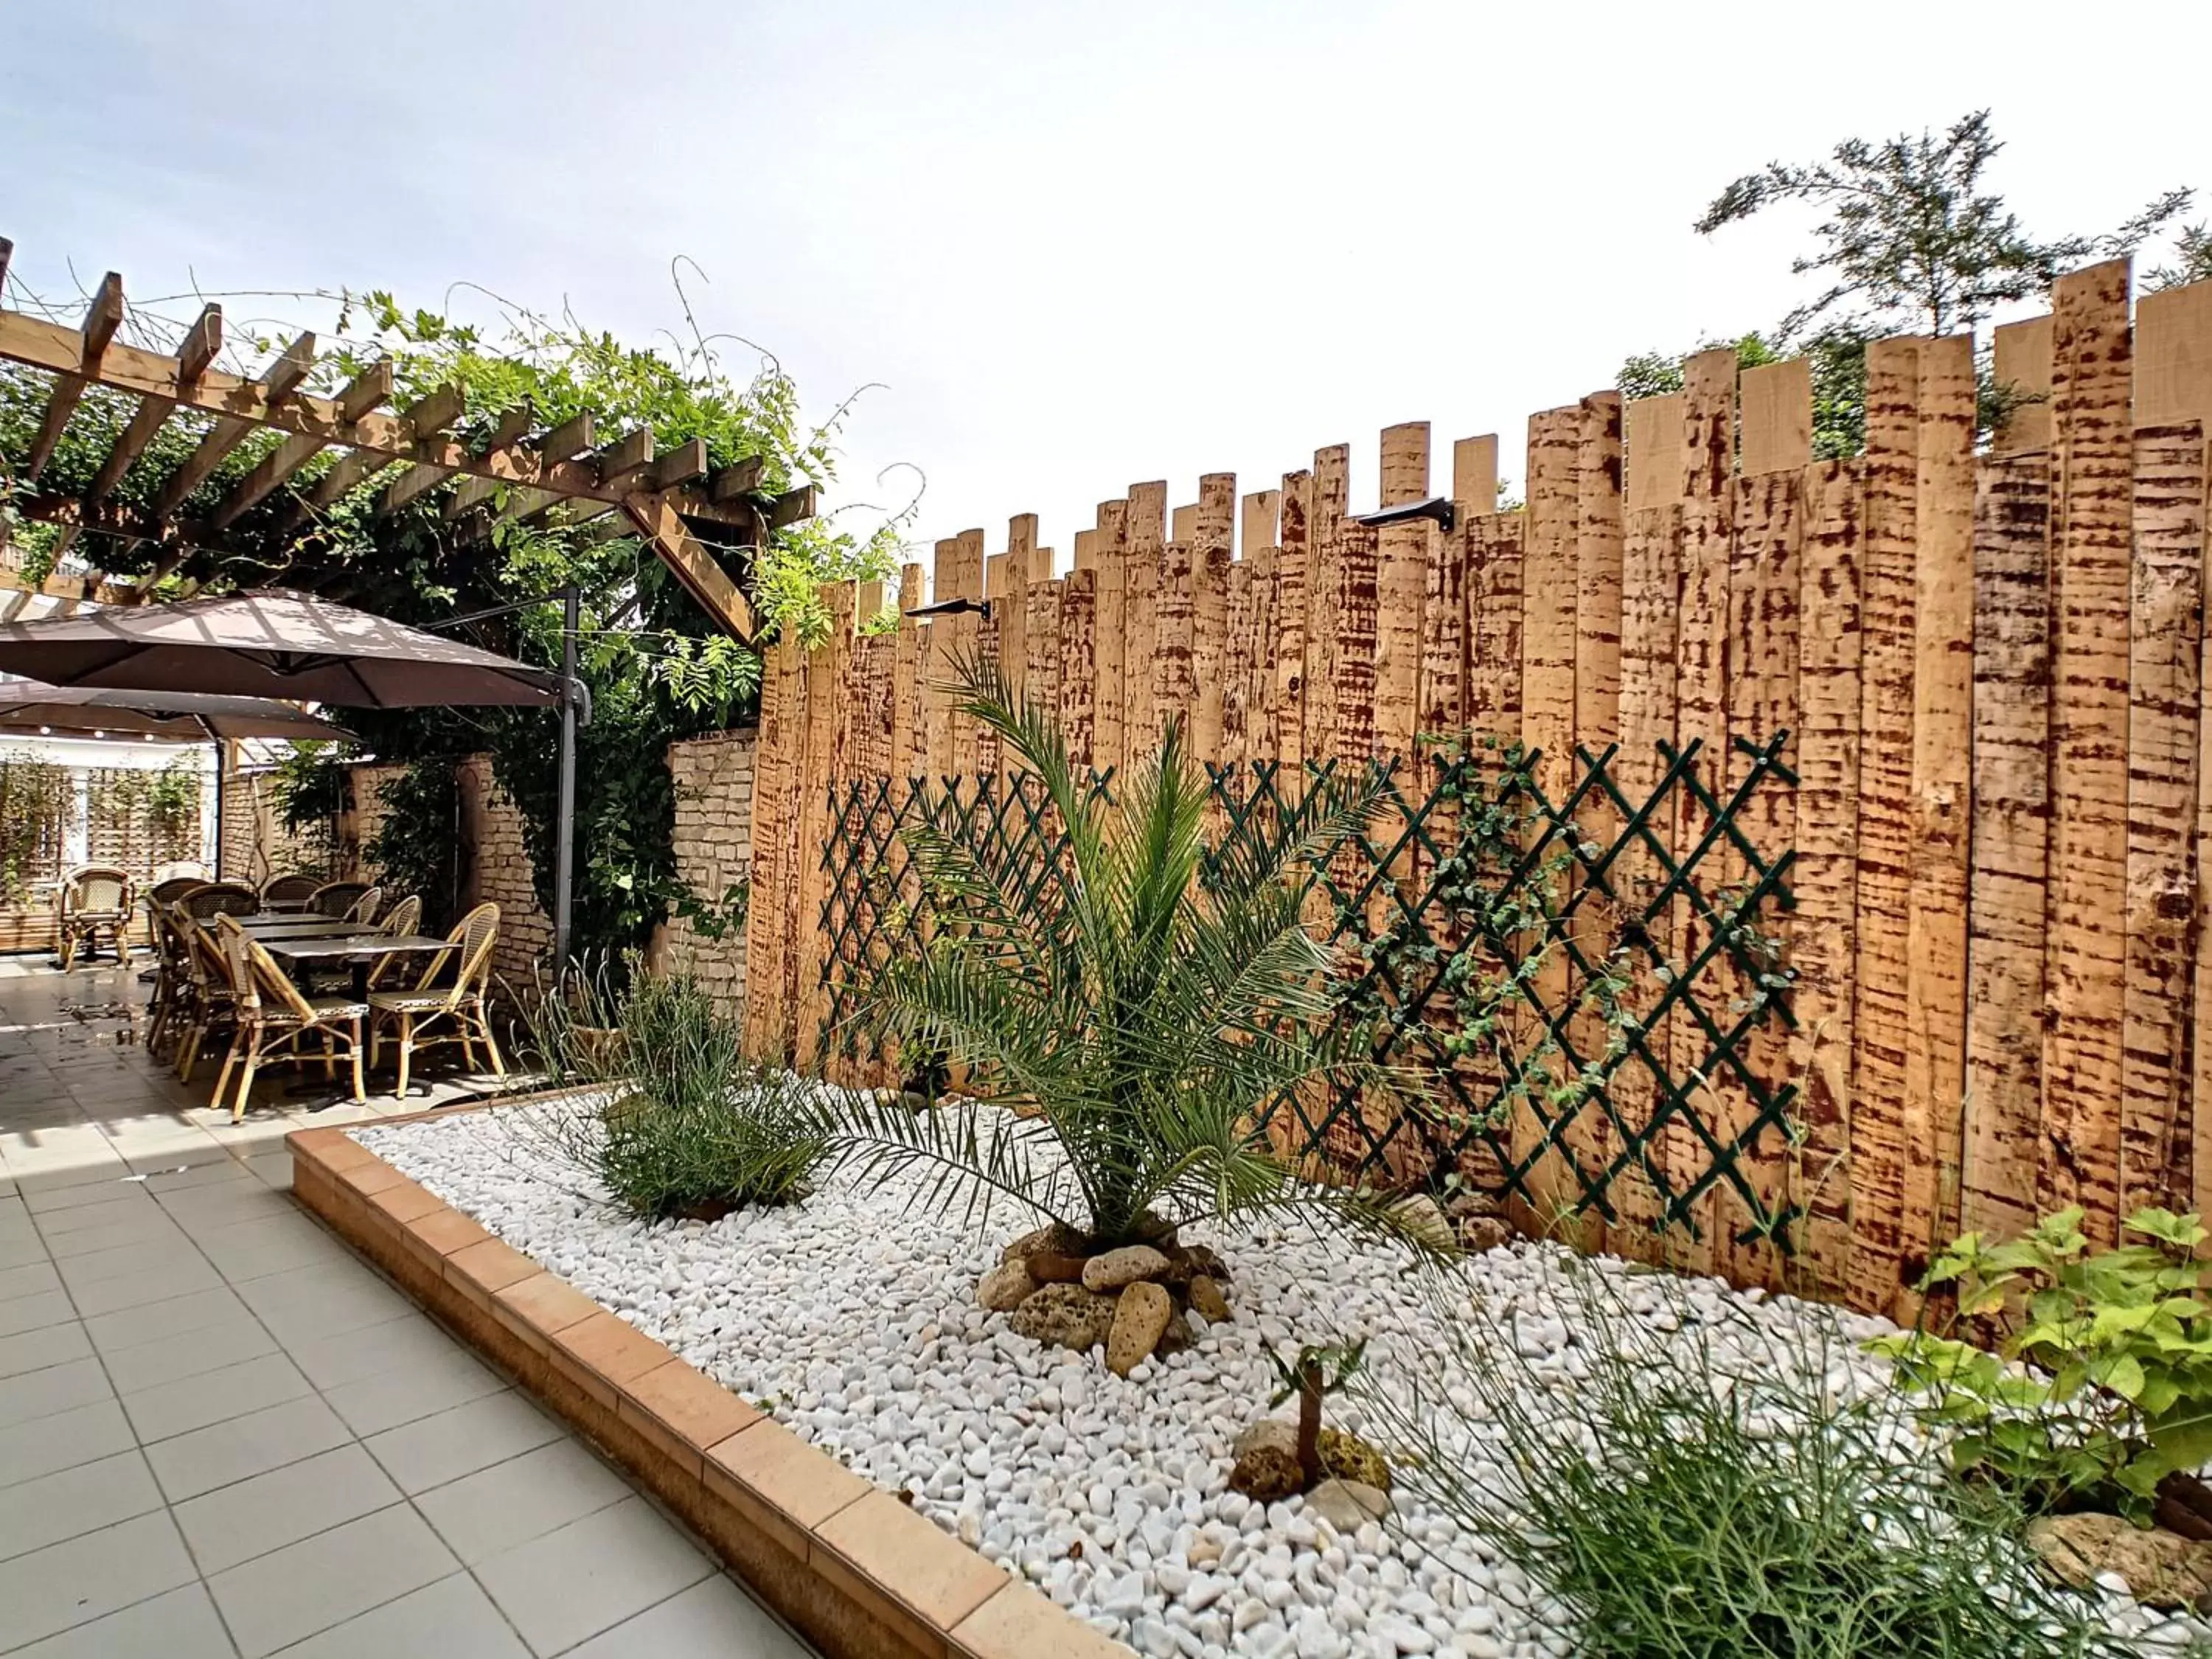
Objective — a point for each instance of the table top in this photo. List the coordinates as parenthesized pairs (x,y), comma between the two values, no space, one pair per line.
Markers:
(320,947)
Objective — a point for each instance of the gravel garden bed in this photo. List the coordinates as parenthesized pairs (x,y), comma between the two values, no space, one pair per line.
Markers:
(852,1316)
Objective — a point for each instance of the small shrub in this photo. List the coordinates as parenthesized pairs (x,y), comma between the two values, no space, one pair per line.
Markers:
(687,1125)
(2117,1407)
(1689,1483)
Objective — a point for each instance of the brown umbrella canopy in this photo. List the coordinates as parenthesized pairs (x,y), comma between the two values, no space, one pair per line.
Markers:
(269,643)
(26,707)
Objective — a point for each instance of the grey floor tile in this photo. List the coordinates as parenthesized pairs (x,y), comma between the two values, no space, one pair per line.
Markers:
(73,1209)
(125,1260)
(147,1226)
(53,1388)
(187,1465)
(494,1510)
(182,1275)
(201,1211)
(46,1202)
(712,1619)
(591,1575)
(271,1510)
(135,1369)
(72,1502)
(459,1442)
(348,1358)
(273,1169)
(215,1396)
(308,1587)
(311,1281)
(429,1386)
(32,1313)
(31,1279)
(216,1171)
(157,1322)
(311,1318)
(62,1441)
(452,1617)
(52,1344)
(73,1583)
(181,1624)
(257,1250)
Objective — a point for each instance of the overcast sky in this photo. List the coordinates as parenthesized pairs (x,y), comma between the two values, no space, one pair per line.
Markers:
(1080,245)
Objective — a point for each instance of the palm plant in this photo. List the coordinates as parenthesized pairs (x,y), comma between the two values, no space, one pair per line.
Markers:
(1147,1003)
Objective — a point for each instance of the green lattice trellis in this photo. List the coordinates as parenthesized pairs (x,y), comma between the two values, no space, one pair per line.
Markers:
(1575,986)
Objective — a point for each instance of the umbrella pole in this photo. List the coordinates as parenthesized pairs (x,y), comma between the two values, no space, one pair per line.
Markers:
(564,846)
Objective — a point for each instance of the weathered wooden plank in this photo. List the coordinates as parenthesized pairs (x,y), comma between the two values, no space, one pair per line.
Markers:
(1237,700)
(1708,503)
(1293,635)
(990,651)
(828,721)
(1778,418)
(939,644)
(1173,663)
(1104,682)
(1213,530)
(2165,636)
(1823,930)
(1325,681)
(1495,543)
(2011,844)
(909,730)
(2092,457)
(1403,553)
(2173,356)
(1443,635)
(1881,1270)
(1079,666)
(1255,738)
(2020,365)
(1942,747)
(1040,642)
(1474,475)
(767,921)
(1765,582)
(1141,578)
(1013,631)
(964,644)
(1598,533)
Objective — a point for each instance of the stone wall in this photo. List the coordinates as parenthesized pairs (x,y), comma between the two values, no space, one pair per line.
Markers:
(713,845)
(253,843)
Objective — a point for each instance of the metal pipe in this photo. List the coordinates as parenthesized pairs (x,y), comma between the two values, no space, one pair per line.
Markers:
(564,845)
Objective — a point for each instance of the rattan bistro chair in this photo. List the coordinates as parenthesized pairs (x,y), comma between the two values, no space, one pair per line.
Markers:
(461,1002)
(336,899)
(170,888)
(210,899)
(364,909)
(289,892)
(402,918)
(274,1015)
(92,899)
(203,1001)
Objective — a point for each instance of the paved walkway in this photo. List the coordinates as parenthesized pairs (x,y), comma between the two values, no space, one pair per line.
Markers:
(222,1435)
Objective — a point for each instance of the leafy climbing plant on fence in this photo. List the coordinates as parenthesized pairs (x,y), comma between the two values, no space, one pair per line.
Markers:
(1583,983)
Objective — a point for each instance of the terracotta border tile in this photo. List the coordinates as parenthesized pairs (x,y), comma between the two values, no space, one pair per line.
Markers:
(860,1574)
(684,1411)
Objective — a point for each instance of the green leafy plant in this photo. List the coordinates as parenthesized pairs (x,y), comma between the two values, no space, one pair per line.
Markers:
(680,1125)
(1312,1374)
(309,784)
(172,808)
(1145,1005)
(1691,1482)
(2100,1391)
(418,847)
(37,798)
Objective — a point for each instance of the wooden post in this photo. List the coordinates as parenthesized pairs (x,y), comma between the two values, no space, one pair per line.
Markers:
(1142,571)
(1403,555)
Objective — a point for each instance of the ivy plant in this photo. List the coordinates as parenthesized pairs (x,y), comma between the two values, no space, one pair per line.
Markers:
(2100,1387)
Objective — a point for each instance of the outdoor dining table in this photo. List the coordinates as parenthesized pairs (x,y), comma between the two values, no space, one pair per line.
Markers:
(265,927)
(357,949)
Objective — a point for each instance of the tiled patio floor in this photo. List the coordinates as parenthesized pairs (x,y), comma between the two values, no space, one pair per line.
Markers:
(223,1434)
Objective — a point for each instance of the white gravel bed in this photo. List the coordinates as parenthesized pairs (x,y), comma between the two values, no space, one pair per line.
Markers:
(852,1318)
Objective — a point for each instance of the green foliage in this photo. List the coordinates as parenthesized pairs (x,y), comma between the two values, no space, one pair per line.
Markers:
(1912,241)
(2101,1386)
(310,784)
(418,847)
(1691,1484)
(2192,261)
(1148,1014)
(172,808)
(1839,363)
(37,798)
(687,1127)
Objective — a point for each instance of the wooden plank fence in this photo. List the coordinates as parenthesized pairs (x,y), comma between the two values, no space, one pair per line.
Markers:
(1993,662)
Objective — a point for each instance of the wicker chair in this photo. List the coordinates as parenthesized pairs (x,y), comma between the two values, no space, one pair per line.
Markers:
(401,920)
(181,870)
(211,899)
(170,888)
(204,999)
(273,1015)
(461,1002)
(336,899)
(366,906)
(92,899)
(288,892)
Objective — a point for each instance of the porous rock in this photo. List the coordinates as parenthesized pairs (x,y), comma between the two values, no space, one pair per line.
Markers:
(1113,1270)
(1348,1457)
(1058,1237)
(1067,1315)
(2162,1569)
(1266,1460)
(1422,1219)
(1054,1267)
(1141,1317)
(1206,1297)
(1347,1504)
(1005,1287)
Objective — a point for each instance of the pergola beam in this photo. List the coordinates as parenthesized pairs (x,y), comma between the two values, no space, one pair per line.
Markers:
(420,480)
(369,388)
(90,342)
(571,438)
(692,564)
(433,414)
(278,381)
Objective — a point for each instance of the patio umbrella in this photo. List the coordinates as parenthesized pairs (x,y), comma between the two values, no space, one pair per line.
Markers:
(28,709)
(269,643)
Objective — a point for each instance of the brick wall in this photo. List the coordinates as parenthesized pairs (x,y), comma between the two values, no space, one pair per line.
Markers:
(500,871)
(714,846)
(254,844)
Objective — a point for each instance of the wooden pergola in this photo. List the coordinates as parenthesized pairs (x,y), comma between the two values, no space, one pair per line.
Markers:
(620,487)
